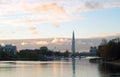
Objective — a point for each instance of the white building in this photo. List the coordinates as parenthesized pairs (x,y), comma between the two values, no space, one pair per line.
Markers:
(9,48)
(93,51)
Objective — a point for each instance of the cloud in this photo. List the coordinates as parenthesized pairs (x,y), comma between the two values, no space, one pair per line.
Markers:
(54,8)
(52,19)
(23,43)
(92,5)
(111,4)
(34,30)
(34,43)
(24,12)
(97,5)
(46,8)
(41,43)
(2,44)
(32,27)
(60,41)
(49,8)
(55,12)
(32,13)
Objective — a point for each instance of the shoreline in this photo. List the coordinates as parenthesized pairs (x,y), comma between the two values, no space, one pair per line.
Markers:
(98,60)
(113,63)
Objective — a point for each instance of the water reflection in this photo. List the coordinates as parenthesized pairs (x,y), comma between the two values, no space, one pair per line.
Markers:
(63,68)
(73,66)
(109,70)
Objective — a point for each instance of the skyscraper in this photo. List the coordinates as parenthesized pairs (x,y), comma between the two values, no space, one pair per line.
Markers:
(73,43)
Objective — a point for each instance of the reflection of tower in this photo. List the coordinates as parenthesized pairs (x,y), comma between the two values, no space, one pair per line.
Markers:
(73,44)
(73,66)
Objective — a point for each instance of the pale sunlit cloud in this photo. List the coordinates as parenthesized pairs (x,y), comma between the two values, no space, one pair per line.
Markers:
(35,43)
(2,44)
(23,43)
(60,41)
(41,43)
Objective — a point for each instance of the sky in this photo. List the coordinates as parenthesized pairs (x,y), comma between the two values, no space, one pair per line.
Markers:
(36,19)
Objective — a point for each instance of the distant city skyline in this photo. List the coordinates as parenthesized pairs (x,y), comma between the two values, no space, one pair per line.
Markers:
(27,19)
(56,44)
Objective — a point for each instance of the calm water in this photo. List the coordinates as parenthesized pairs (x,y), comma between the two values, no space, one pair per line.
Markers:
(63,68)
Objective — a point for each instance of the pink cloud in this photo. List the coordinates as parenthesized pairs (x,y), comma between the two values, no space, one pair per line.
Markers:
(59,41)
(50,8)
(41,43)
(35,32)
(32,28)
(50,11)
(34,43)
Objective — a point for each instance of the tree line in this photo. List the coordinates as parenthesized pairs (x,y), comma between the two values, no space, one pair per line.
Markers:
(37,54)
(110,50)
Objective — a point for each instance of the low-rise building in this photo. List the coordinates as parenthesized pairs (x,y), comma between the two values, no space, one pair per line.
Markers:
(9,48)
(93,51)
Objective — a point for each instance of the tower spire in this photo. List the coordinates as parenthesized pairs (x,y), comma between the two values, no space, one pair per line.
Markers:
(73,43)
